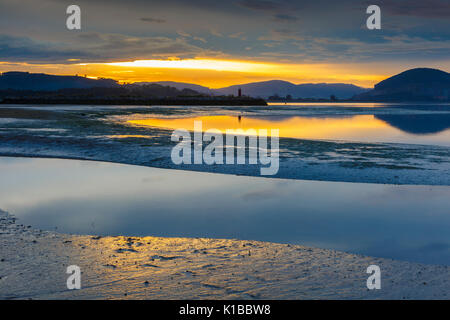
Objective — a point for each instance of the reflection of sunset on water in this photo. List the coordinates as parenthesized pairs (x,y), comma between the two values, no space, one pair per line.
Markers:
(352,128)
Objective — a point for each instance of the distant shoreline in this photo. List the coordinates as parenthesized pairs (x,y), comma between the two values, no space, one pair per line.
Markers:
(189,101)
(142,102)
(320,100)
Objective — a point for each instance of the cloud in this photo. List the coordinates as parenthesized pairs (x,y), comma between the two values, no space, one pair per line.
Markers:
(156,20)
(259,5)
(187,35)
(238,35)
(330,29)
(200,39)
(118,46)
(339,49)
(184,34)
(284,18)
(98,47)
(22,49)
(282,35)
(417,8)
(216,33)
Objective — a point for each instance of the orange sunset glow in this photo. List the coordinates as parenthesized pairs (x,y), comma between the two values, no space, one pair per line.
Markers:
(351,128)
(213,73)
(294,127)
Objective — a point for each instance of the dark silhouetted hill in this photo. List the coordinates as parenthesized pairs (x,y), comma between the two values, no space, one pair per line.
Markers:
(418,123)
(104,92)
(421,84)
(279,88)
(180,86)
(46,82)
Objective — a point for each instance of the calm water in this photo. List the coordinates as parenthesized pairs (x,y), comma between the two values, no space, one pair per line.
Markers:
(360,122)
(432,129)
(403,222)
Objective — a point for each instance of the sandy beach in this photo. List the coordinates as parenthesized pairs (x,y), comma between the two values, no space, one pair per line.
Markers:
(33,266)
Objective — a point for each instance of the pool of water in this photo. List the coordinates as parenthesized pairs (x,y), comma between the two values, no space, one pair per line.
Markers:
(428,128)
(401,222)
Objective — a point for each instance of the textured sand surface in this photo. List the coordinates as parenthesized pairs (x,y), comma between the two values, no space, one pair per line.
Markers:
(33,266)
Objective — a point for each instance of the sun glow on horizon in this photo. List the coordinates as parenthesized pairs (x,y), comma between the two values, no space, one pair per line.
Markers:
(199,64)
(293,127)
(217,73)
(210,72)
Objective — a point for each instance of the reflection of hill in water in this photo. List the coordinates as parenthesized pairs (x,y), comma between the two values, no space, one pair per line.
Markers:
(418,123)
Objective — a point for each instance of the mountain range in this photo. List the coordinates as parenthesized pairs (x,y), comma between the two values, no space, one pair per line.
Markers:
(420,84)
(266,89)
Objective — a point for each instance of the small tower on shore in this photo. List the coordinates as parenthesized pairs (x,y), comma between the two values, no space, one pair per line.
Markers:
(239,92)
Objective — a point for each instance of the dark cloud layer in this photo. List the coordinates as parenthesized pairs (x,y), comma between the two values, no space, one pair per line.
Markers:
(260,4)
(157,20)
(21,49)
(96,47)
(297,30)
(418,8)
(284,18)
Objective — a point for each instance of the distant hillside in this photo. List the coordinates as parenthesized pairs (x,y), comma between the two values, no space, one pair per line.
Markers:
(266,89)
(179,86)
(281,88)
(99,93)
(129,91)
(262,89)
(26,81)
(421,84)
(46,82)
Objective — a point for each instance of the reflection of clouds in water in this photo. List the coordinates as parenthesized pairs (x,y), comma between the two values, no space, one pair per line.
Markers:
(44,129)
(19,121)
(413,250)
(397,124)
(435,246)
(409,222)
(278,189)
(399,194)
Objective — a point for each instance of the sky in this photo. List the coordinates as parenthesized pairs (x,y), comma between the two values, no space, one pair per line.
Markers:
(221,43)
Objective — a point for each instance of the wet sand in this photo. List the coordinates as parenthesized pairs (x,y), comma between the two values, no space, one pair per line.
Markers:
(33,266)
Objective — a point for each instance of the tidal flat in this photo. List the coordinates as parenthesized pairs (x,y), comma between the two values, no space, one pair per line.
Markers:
(378,146)
(390,144)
